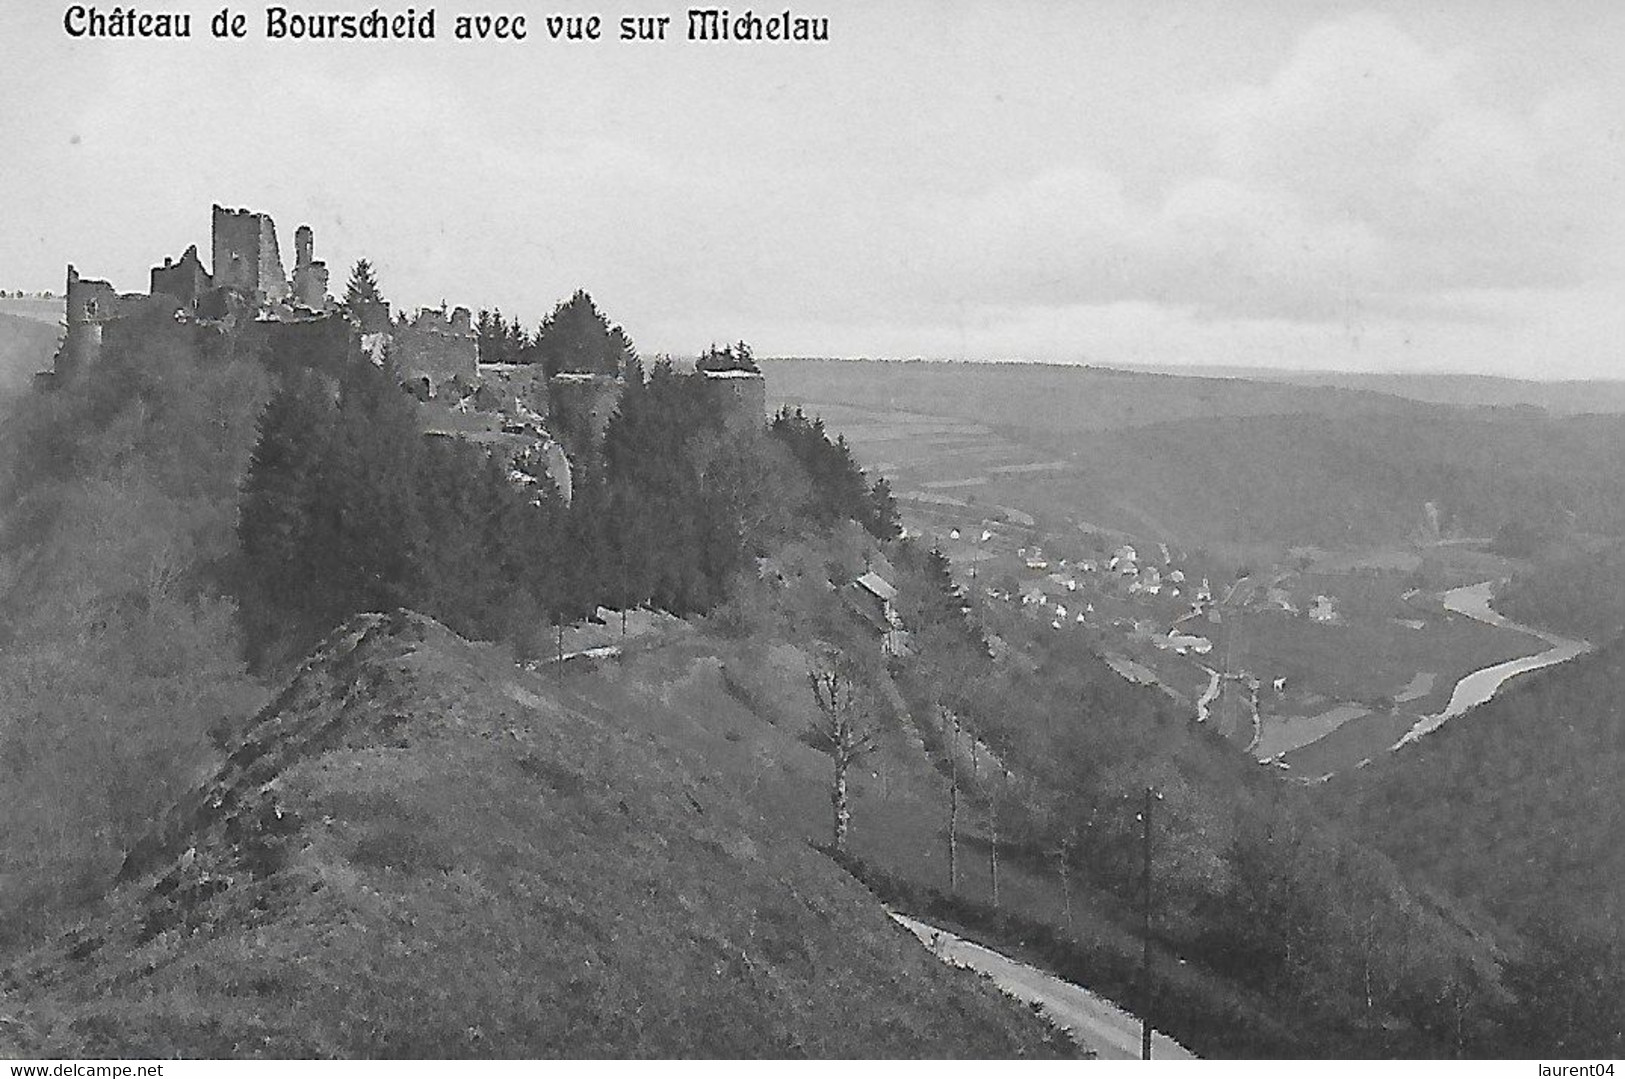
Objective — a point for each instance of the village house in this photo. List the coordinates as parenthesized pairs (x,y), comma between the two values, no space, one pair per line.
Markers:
(874,598)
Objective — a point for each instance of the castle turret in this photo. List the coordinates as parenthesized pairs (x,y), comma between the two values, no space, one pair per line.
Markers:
(739,396)
(90,305)
(309,274)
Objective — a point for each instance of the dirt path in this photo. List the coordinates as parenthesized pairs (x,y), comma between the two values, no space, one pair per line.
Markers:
(1093,1022)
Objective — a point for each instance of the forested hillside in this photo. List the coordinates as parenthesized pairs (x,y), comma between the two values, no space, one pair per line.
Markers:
(120,652)
(1573,590)
(1519,804)
(1352,479)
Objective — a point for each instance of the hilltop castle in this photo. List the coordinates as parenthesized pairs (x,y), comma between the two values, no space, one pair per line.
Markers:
(248,283)
(436,352)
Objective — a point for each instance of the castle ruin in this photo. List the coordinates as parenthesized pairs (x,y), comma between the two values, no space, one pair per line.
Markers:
(542,424)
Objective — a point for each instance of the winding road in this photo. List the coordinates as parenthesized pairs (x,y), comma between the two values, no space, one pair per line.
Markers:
(1093,1021)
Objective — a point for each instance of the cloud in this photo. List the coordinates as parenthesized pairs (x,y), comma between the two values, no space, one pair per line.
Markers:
(1365,125)
(1211,245)
(1364,178)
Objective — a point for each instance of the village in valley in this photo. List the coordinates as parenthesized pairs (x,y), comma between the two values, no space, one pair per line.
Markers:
(1310,659)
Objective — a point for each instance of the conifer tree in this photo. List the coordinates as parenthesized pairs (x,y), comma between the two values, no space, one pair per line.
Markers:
(577,337)
(362,288)
(277,526)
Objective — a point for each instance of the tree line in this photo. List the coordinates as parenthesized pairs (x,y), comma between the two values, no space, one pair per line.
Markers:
(574,337)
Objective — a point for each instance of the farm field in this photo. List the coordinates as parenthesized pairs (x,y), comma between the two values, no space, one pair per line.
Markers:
(33,308)
(1051,397)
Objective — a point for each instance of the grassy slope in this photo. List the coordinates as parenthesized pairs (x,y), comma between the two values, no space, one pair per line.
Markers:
(732,711)
(419,851)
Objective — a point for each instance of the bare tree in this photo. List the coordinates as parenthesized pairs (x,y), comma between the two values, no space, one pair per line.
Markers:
(953,794)
(844,729)
(993,838)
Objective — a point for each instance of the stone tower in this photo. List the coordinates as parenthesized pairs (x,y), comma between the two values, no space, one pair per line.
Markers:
(309,274)
(91,305)
(246,256)
(739,397)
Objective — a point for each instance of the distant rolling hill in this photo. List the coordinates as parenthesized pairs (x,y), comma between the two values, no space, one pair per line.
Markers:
(417,851)
(1053,398)
(1201,460)
(1565,397)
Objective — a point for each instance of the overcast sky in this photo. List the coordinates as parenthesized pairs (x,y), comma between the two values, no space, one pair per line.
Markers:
(1435,186)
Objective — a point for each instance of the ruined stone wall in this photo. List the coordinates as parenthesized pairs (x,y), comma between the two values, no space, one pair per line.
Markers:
(186,280)
(435,348)
(525,382)
(246,256)
(323,344)
(135,311)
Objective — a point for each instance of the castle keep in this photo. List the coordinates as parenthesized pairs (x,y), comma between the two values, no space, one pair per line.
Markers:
(246,256)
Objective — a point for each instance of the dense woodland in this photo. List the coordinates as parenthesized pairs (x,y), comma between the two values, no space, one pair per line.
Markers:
(1575,590)
(182,527)
(1517,805)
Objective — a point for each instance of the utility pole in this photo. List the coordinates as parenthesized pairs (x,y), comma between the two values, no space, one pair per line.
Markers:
(1145,930)
(953,806)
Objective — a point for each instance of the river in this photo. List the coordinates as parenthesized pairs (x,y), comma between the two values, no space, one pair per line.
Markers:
(1474,601)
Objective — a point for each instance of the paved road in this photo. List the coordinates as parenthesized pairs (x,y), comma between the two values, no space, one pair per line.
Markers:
(1094,1022)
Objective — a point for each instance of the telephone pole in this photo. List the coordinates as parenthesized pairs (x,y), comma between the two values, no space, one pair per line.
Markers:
(1145,930)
